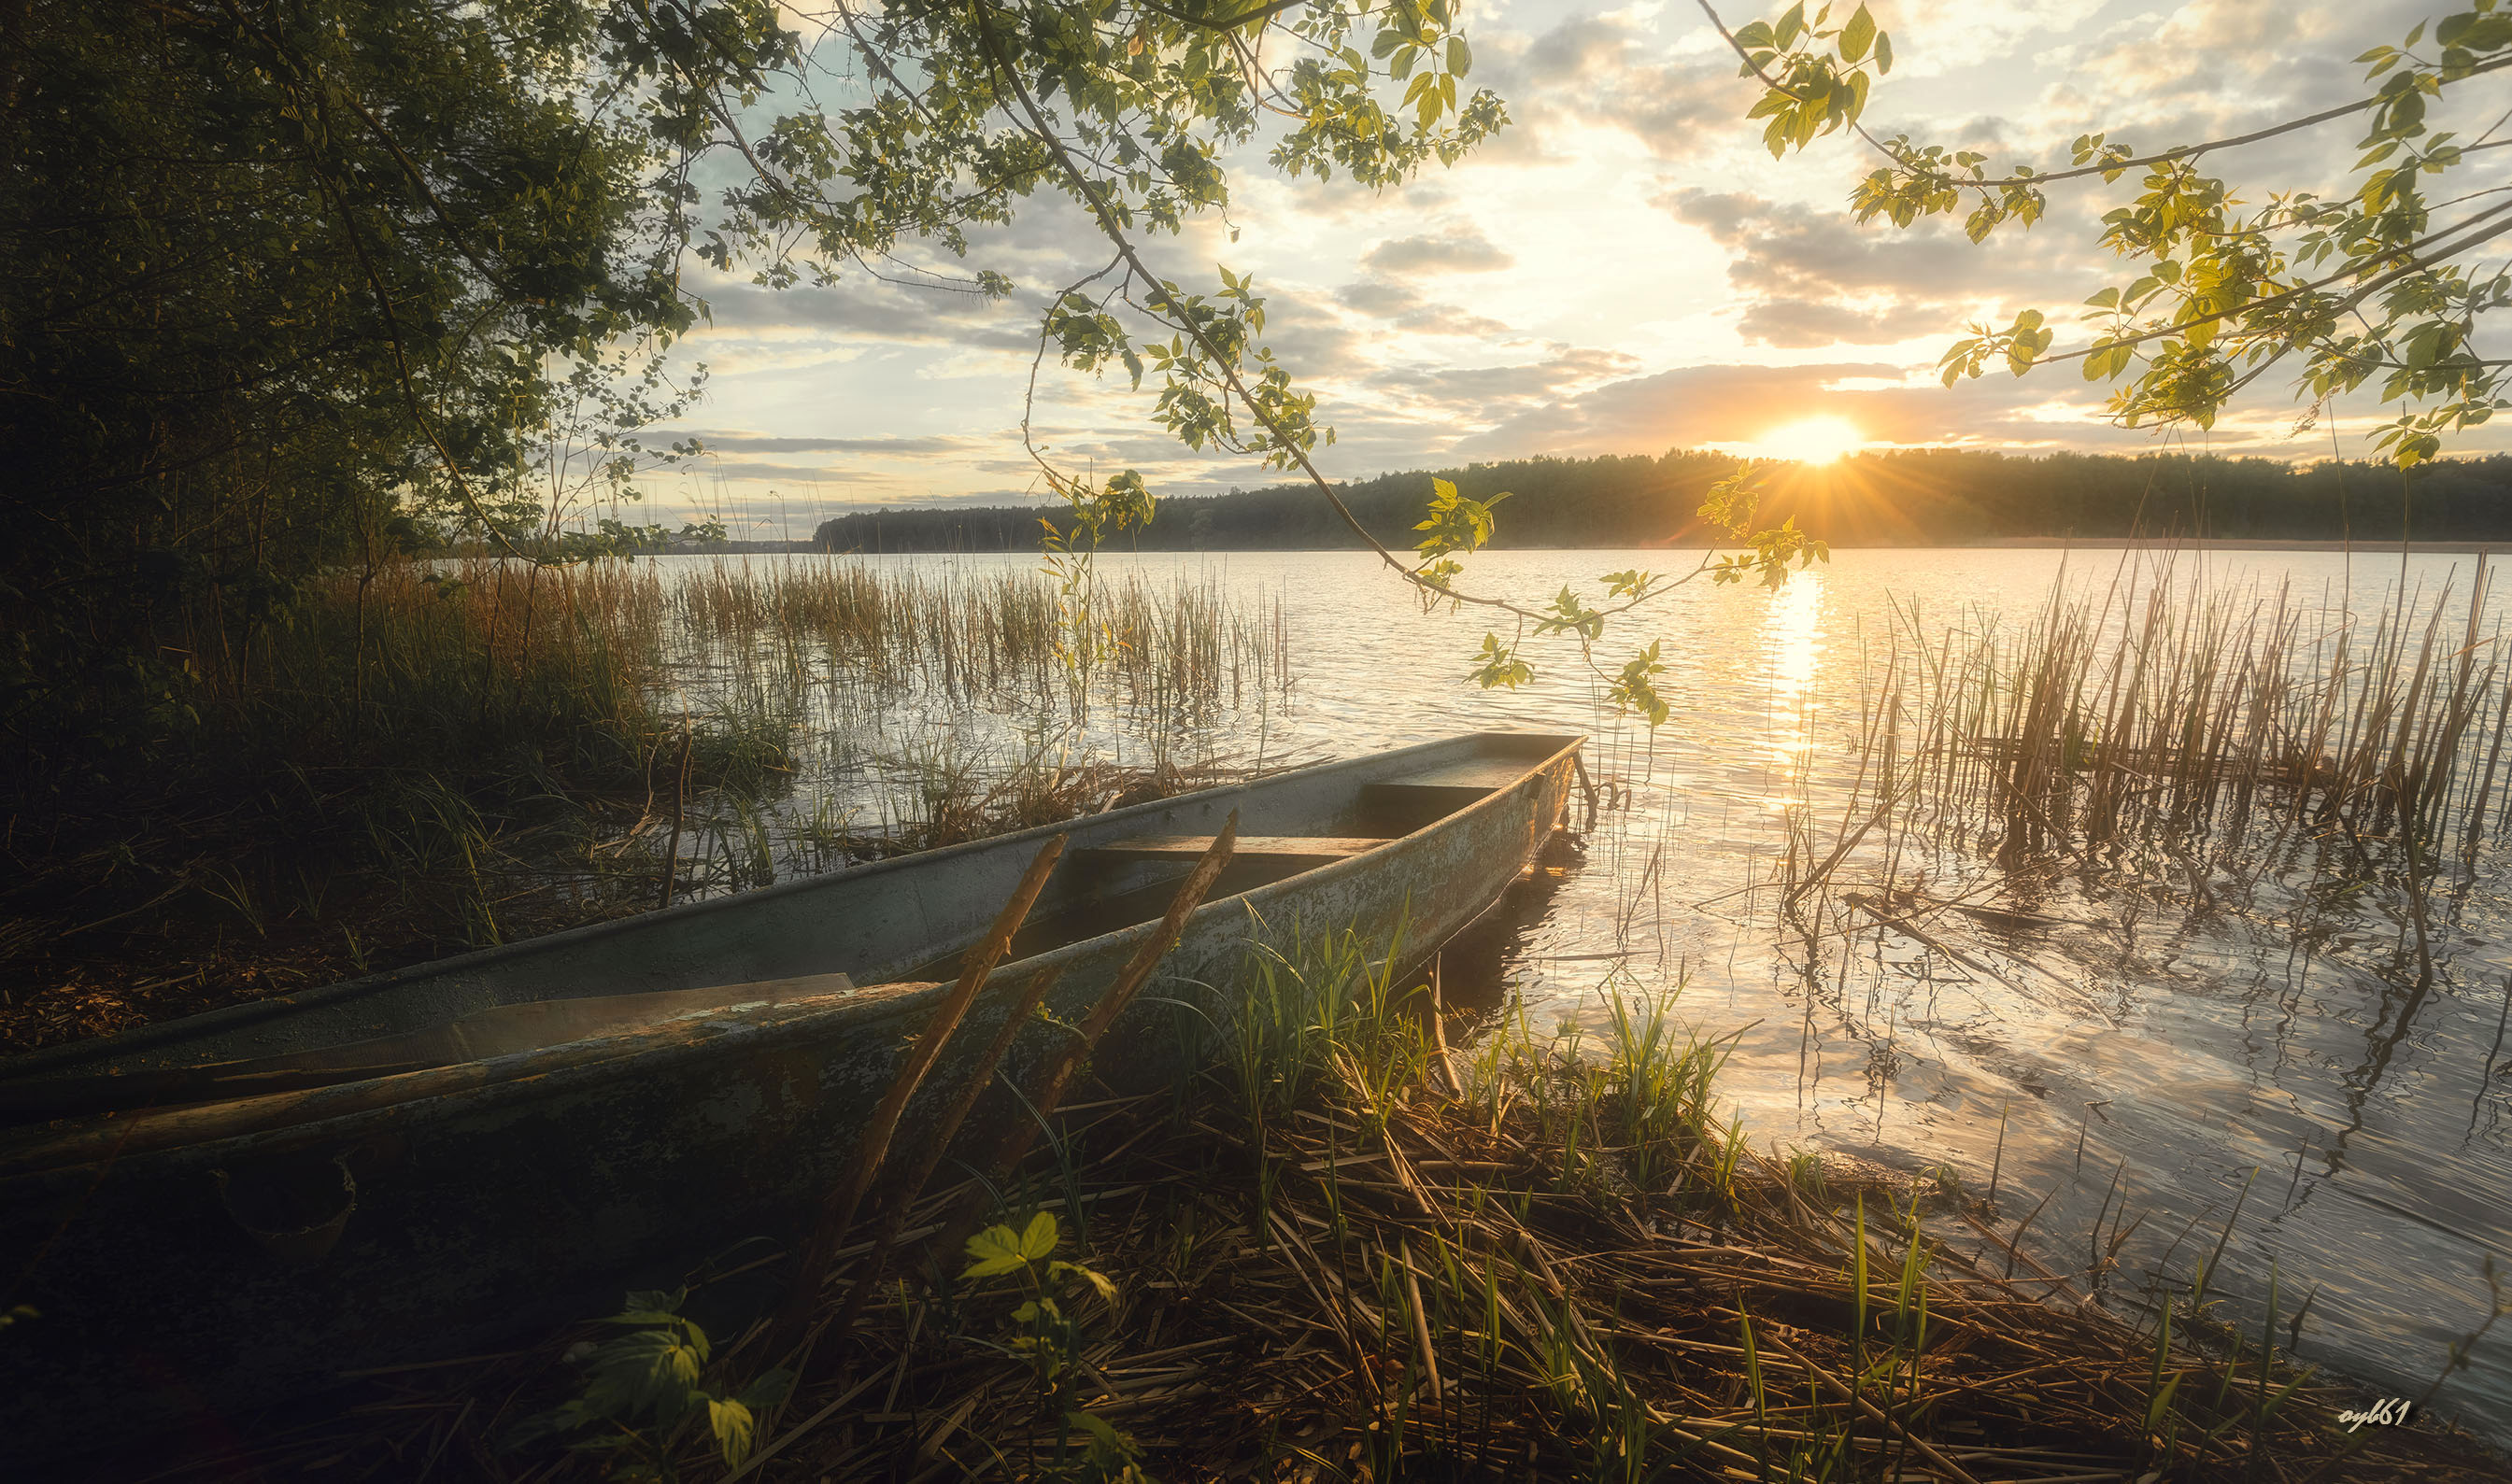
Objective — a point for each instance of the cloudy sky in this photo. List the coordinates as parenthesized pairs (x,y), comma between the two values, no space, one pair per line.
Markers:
(1623,270)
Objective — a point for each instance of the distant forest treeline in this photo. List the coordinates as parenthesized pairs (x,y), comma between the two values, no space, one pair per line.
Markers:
(1921,498)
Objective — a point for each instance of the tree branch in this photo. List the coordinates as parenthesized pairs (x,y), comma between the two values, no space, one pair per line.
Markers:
(2183,152)
(1039,129)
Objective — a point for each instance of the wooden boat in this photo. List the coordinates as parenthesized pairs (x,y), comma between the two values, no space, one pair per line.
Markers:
(241,1205)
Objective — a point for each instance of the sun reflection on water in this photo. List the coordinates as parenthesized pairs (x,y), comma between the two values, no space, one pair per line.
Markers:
(1793,641)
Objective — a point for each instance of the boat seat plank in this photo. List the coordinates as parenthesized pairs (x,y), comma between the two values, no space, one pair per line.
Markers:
(1438,790)
(1485,773)
(1188,847)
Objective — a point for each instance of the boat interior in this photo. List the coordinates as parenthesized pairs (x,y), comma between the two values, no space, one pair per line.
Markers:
(1115,885)
(1117,871)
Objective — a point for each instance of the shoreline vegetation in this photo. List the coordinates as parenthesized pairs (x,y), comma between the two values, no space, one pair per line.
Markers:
(428,756)
(1905,498)
(1367,1240)
(1348,1250)
(2166,545)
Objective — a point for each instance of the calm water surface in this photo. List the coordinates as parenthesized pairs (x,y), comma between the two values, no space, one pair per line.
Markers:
(2151,1060)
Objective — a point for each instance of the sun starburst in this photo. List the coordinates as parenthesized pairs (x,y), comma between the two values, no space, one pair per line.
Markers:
(1812,440)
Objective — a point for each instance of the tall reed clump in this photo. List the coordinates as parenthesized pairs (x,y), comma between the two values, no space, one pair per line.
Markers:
(2157,712)
(481,667)
(405,760)
(417,757)
(1172,650)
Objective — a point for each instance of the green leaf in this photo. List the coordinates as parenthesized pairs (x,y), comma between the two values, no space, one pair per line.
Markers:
(735,1429)
(1858,35)
(767,1390)
(1461,57)
(1883,52)
(2162,1401)
(649,1307)
(1038,1241)
(996,1250)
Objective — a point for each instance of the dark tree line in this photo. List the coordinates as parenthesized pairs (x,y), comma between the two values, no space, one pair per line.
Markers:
(1914,497)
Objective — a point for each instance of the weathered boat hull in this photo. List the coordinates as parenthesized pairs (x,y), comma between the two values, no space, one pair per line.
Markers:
(189,1261)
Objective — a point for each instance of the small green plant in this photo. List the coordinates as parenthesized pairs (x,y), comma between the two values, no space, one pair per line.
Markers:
(1049,1341)
(1805,1173)
(643,1389)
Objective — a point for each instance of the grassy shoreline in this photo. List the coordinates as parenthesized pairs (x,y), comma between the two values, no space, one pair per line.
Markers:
(1346,1250)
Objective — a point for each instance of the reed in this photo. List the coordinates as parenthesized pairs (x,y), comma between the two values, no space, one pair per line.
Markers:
(2160,715)
(1179,650)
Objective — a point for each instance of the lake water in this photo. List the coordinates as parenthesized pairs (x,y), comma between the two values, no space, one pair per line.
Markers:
(2147,1057)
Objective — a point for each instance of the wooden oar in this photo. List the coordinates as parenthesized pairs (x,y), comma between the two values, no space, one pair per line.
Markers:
(1060,1068)
(936,1144)
(837,1209)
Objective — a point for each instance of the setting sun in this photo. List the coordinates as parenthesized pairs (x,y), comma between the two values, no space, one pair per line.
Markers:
(1814,441)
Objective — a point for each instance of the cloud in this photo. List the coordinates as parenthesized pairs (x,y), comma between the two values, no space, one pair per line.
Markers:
(1309,338)
(1934,37)
(765,473)
(1796,324)
(886,447)
(1703,405)
(868,311)
(1480,394)
(1610,70)
(1406,308)
(1461,249)
(1811,277)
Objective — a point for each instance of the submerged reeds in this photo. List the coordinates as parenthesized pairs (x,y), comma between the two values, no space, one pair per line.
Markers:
(2157,732)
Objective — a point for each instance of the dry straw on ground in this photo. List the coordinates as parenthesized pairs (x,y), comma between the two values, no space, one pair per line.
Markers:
(1343,1251)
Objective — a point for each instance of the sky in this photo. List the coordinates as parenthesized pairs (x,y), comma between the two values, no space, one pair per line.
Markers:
(1624,269)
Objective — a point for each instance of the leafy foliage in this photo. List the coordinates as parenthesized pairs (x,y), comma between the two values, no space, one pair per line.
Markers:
(1635,688)
(641,1387)
(301,282)
(291,281)
(1049,1338)
(1810,89)
(1731,506)
(293,277)
(2362,289)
